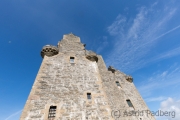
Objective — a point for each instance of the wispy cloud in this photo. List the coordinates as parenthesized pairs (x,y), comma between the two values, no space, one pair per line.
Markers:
(135,38)
(14,114)
(161,98)
(160,80)
(117,26)
(103,44)
(171,53)
(168,32)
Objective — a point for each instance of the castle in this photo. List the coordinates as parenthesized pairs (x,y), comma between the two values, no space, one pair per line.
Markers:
(74,84)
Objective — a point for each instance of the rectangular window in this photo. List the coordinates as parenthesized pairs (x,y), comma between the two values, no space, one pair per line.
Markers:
(52,113)
(129,103)
(71,59)
(117,83)
(88,95)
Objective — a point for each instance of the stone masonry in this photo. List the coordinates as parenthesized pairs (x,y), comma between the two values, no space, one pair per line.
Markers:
(76,84)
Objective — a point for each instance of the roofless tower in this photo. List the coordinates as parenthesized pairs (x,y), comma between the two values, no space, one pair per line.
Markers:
(74,84)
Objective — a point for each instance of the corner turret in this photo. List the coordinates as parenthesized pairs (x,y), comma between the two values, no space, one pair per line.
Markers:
(110,68)
(49,51)
(129,78)
(90,55)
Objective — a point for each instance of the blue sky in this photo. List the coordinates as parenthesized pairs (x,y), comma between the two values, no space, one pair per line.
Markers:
(140,38)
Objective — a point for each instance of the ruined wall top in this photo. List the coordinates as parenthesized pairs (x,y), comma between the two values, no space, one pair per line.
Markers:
(71,38)
(71,43)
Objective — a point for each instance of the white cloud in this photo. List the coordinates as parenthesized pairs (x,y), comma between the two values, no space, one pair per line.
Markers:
(136,28)
(13,115)
(168,32)
(117,26)
(155,99)
(171,53)
(103,44)
(135,38)
(169,78)
(173,107)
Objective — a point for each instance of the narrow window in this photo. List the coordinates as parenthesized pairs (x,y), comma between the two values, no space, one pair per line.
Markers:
(52,113)
(117,83)
(71,59)
(88,95)
(129,103)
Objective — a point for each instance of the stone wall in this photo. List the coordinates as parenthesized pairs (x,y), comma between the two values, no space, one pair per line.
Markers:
(117,95)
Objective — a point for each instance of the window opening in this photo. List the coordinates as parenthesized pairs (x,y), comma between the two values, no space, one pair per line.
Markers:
(52,113)
(117,83)
(71,59)
(88,95)
(129,103)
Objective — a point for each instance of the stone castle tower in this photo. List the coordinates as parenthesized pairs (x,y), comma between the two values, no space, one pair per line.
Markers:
(74,84)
